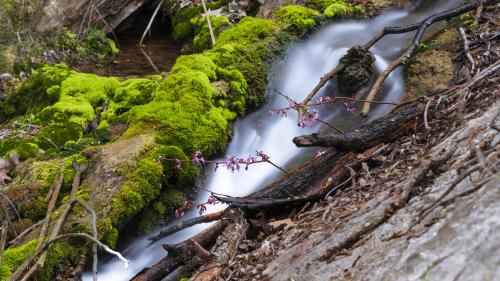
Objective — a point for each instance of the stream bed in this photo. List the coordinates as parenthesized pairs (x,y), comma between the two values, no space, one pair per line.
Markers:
(305,62)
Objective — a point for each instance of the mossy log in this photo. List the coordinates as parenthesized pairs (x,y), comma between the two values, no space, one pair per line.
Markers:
(381,130)
(179,254)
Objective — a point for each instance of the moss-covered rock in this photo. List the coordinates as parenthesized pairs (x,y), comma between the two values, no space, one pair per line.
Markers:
(40,90)
(300,17)
(202,40)
(335,8)
(14,257)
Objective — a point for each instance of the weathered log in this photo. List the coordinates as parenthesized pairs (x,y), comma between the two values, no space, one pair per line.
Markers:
(225,248)
(381,130)
(297,182)
(187,223)
(332,176)
(179,254)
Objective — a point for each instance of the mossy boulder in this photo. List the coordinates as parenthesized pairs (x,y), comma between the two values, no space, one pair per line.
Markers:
(302,18)
(40,90)
(202,40)
(358,70)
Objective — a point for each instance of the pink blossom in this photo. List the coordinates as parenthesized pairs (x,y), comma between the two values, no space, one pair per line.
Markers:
(198,158)
(323,100)
(212,200)
(349,106)
(179,213)
(178,164)
(201,208)
(232,163)
(308,119)
(319,154)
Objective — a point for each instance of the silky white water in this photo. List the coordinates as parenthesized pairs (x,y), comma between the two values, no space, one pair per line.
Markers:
(295,76)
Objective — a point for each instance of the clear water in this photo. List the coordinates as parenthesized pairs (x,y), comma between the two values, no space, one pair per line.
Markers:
(295,76)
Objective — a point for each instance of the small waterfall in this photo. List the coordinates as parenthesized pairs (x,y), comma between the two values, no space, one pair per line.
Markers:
(296,76)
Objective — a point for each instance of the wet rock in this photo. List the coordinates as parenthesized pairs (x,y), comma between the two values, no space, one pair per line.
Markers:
(358,72)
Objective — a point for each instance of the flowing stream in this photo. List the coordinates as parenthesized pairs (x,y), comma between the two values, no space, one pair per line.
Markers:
(295,76)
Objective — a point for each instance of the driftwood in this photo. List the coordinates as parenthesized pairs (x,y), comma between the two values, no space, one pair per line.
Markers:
(187,223)
(225,247)
(180,254)
(381,130)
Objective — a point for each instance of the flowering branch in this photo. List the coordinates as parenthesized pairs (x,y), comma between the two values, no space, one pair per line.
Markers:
(307,118)
(232,163)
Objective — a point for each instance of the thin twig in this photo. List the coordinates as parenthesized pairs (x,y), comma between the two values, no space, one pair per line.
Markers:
(94,234)
(150,23)
(107,25)
(466,50)
(426,123)
(52,203)
(32,259)
(209,23)
(14,241)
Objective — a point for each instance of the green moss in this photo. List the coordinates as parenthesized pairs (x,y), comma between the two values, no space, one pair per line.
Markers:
(27,150)
(166,203)
(14,257)
(56,135)
(182,31)
(301,17)
(40,90)
(338,8)
(64,253)
(335,8)
(80,94)
(107,233)
(249,30)
(45,172)
(202,40)
(142,186)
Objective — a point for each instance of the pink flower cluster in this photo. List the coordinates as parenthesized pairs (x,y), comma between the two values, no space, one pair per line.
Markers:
(198,158)
(233,163)
(202,207)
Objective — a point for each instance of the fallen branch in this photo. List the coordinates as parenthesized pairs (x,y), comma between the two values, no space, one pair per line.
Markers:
(52,203)
(19,273)
(466,50)
(179,254)
(209,23)
(225,248)
(150,22)
(33,258)
(14,242)
(185,224)
(94,234)
(381,130)
(304,182)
